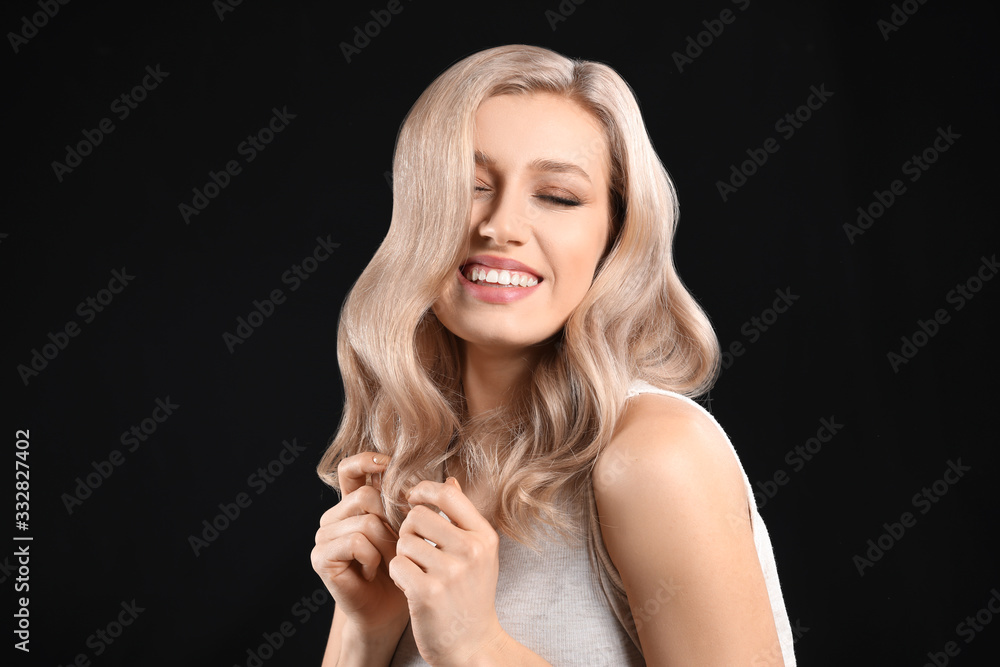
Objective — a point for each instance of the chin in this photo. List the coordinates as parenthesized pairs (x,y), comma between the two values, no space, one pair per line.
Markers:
(502,341)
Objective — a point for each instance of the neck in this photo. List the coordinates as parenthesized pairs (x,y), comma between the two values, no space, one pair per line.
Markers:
(491,377)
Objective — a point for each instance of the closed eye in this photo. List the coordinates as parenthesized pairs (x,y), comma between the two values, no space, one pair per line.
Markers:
(553,199)
(561,201)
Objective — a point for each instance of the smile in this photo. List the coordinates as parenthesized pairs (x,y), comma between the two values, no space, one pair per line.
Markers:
(497,280)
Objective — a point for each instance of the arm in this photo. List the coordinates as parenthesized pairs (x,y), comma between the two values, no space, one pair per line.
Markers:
(348,647)
(675,519)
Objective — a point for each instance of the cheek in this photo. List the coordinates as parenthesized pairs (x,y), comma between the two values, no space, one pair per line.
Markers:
(577,272)
(580,249)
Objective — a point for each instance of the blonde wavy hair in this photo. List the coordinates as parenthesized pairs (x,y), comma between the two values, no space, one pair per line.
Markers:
(400,366)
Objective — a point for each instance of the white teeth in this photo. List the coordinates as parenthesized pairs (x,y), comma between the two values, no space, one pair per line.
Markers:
(501,277)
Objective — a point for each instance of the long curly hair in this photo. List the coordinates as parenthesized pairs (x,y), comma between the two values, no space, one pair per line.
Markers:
(400,366)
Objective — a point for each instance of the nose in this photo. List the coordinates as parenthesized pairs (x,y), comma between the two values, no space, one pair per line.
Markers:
(505,221)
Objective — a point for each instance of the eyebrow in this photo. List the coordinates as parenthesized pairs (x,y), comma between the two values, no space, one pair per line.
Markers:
(540,164)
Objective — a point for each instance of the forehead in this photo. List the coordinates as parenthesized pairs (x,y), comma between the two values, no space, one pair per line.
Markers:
(516,129)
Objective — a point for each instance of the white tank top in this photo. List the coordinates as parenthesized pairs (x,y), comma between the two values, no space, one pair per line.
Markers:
(572,612)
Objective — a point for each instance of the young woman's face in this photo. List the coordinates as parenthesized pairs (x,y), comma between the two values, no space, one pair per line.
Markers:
(540,221)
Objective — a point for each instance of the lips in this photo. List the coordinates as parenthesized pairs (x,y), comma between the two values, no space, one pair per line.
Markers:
(497,293)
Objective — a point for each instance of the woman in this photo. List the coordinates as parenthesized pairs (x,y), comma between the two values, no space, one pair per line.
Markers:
(524,479)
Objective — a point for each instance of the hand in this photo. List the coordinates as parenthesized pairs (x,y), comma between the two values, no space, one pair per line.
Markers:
(450,587)
(354,546)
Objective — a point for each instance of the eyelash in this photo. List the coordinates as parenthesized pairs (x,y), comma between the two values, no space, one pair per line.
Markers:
(560,201)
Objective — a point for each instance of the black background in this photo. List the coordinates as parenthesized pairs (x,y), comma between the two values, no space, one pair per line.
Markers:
(324,176)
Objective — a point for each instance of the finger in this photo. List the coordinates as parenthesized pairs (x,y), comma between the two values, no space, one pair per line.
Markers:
(348,548)
(425,523)
(368,525)
(421,552)
(450,499)
(365,500)
(405,574)
(352,472)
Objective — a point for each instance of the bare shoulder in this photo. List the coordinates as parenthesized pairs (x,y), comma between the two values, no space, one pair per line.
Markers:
(675,516)
(666,445)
